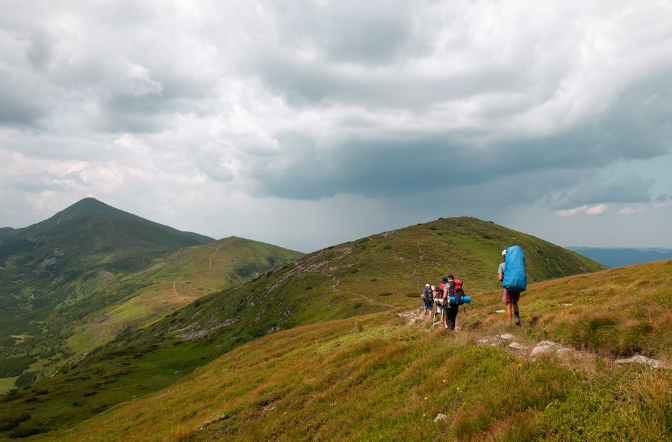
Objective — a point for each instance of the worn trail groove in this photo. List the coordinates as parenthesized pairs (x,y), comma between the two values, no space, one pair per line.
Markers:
(527,350)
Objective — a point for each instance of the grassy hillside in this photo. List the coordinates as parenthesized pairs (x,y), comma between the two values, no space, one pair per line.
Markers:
(92,272)
(183,277)
(373,274)
(376,378)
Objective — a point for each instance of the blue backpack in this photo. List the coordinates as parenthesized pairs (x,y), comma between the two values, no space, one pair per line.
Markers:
(515,278)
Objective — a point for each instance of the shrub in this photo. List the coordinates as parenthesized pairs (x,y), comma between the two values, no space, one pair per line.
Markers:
(14,422)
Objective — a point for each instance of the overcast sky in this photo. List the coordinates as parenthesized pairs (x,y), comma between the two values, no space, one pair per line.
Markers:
(310,123)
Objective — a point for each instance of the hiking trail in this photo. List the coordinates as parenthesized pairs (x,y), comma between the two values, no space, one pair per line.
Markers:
(523,348)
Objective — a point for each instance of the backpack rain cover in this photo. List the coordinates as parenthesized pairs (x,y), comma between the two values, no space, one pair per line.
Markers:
(515,278)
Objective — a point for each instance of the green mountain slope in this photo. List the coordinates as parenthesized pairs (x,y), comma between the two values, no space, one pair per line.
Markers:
(377,378)
(377,273)
(91,272)
(183,277)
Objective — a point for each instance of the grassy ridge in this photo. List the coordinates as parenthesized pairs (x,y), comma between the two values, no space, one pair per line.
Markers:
(369,275)
(186,275)
(375,378)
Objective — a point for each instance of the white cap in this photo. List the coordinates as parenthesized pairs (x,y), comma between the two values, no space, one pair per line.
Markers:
(426,285)
(504,252)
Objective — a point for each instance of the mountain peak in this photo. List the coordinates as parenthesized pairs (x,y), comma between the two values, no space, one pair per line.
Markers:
(91,206)
(83,207)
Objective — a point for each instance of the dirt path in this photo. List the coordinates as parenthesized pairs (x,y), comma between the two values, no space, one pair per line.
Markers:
(217,250)
(523,348)
(177,294)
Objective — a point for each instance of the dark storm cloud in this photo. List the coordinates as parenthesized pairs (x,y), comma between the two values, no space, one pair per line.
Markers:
(392,163)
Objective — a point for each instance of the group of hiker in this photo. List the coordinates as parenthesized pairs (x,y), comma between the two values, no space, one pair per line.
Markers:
(449,294)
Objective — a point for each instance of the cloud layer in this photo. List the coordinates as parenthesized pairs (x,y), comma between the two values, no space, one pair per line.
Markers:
(300,104)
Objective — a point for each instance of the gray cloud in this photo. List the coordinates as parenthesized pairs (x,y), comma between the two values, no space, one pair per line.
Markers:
(630,189)
(491,104)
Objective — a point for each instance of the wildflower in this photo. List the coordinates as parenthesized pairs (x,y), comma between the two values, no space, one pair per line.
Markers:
(425,397)
(444,381)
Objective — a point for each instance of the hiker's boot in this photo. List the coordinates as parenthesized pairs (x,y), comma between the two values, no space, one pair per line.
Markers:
(517,318)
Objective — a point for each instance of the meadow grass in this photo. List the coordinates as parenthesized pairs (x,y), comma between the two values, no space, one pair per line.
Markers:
(382,380)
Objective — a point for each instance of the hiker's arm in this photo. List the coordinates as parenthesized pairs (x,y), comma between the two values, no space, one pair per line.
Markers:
(501,276)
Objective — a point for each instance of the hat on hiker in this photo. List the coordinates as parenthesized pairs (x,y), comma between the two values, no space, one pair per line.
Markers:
(450,276)
(444,279)
(426,285)
(504,252)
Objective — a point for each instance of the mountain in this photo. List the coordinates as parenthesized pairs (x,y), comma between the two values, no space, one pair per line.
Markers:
(76,280)
(383,272)
(614,257)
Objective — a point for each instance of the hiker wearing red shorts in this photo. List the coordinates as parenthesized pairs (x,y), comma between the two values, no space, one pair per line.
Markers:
(510,297)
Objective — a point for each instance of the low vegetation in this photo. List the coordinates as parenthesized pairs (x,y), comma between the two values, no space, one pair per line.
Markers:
(377,378)
(313,349)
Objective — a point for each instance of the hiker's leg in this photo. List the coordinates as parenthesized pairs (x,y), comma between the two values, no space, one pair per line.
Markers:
(452,314)
(508,311)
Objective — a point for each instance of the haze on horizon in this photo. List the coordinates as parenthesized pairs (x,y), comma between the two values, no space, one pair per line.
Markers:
(310,123)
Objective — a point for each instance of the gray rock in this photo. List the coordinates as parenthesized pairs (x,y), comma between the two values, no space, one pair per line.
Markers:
(517,346)
(543,347)
(639,359)
(440,417)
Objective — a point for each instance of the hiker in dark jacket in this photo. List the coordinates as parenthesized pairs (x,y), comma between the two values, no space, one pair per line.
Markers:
(428,300)
(451,309)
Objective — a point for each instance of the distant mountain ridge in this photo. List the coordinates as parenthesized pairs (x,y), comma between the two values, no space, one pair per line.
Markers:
(618,257)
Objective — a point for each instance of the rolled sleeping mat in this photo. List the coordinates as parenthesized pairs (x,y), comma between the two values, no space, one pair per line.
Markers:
(466,299)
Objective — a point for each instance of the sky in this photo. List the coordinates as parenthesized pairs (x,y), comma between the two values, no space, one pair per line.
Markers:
(307,123)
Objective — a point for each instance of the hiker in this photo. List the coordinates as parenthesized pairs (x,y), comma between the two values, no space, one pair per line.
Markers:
(451,309)
(510,296)
(440,299)
(428,299)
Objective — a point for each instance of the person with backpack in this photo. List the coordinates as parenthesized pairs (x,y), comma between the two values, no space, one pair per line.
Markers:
(514,280)
(451,308)
(428,299)
(440,300)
